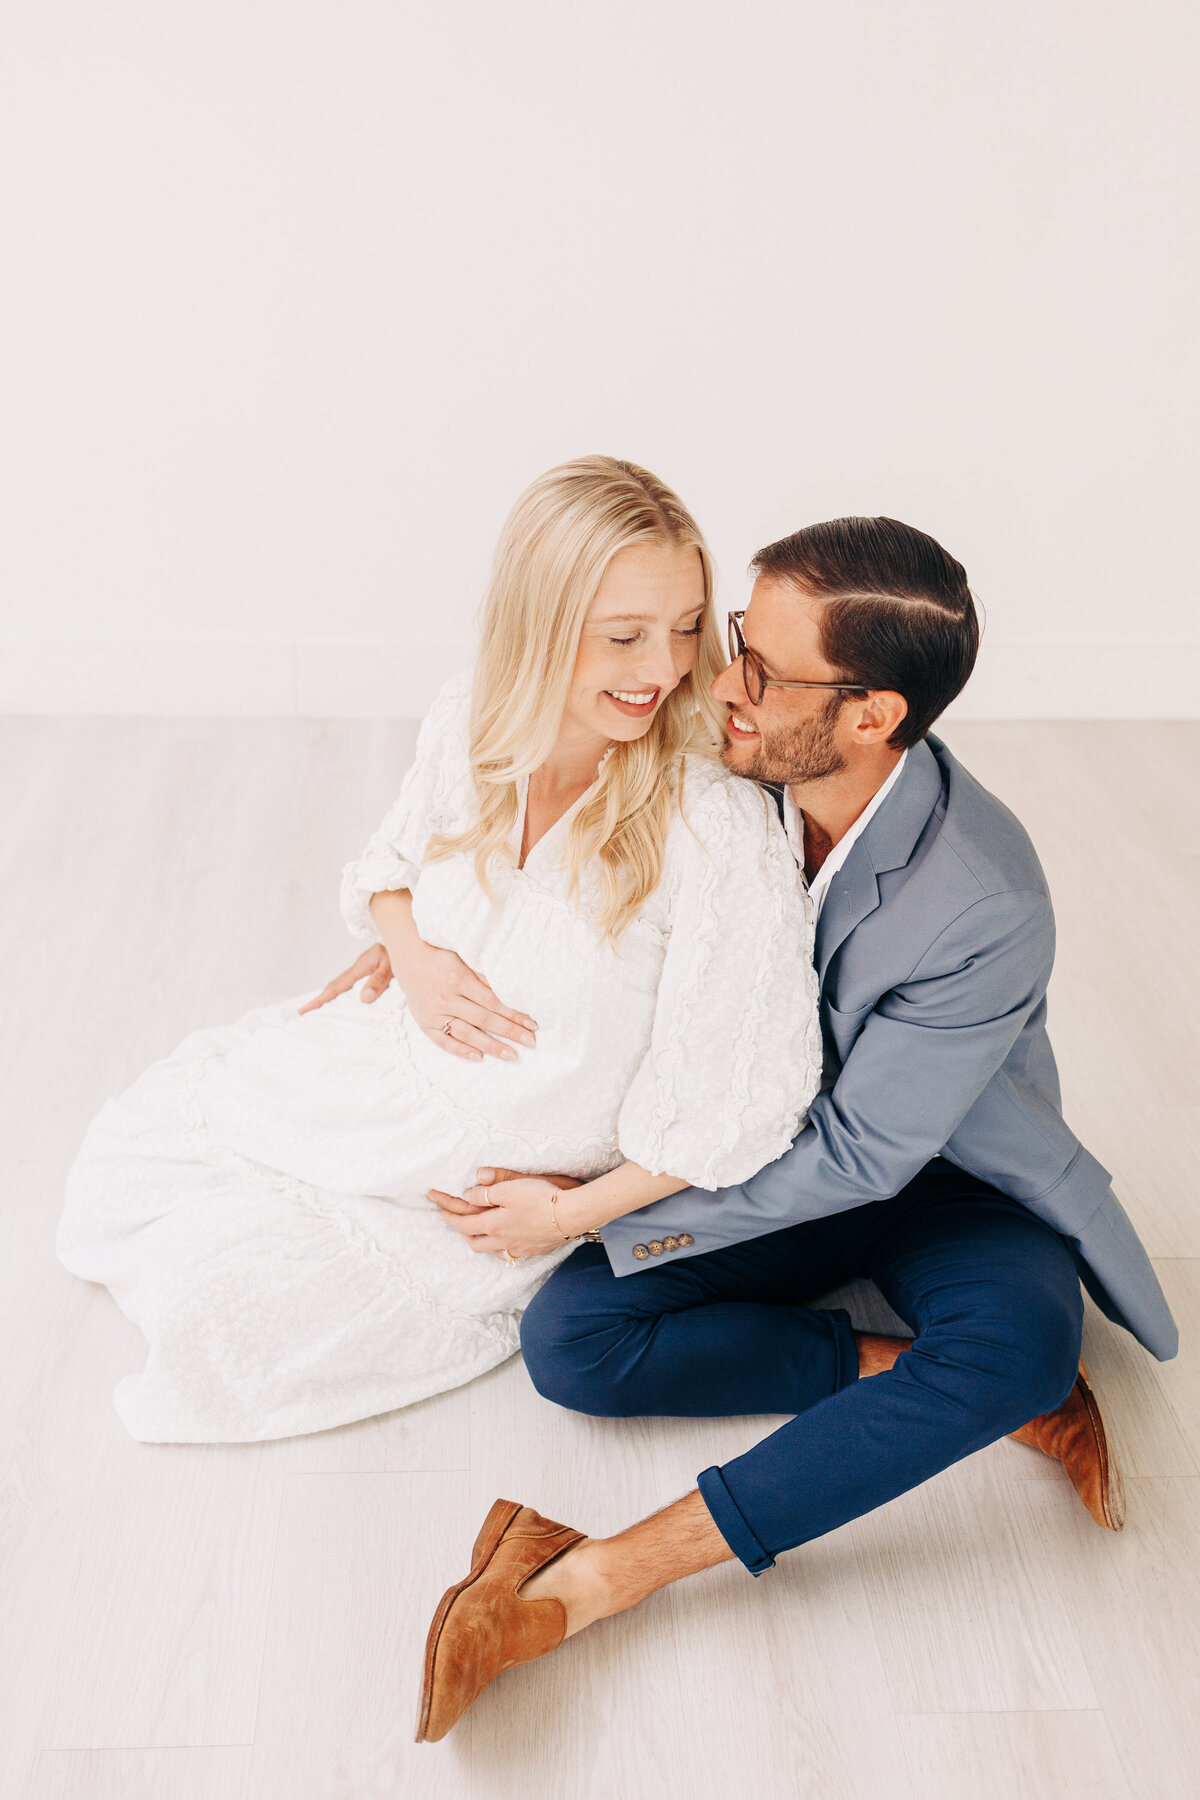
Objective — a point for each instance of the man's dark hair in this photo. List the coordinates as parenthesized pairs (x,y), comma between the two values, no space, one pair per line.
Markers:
(898,613)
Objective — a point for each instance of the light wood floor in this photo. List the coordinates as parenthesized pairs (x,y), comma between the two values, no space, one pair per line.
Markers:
(245,1622)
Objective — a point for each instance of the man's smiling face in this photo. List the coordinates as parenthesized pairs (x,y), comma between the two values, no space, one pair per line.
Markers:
(793,735)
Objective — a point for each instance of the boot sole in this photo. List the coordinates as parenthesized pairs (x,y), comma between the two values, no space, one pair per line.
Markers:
(1111,1515)
(499,1519)
(1112,1488)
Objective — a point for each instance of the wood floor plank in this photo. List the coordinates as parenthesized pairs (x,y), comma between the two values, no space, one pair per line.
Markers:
(1148,1146)
(966,1585)
(215,1774)
(49,1452)
(165,1620)
(1135,1600)
(1179,1379)
(995,1756)
(69,1346)
(672,1699)
(434,1435)
(360,1566)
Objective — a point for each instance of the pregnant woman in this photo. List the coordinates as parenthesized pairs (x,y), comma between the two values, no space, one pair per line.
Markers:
(620,924)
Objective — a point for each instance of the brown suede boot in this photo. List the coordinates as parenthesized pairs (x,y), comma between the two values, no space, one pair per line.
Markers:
(1074,1435)
(482,1625)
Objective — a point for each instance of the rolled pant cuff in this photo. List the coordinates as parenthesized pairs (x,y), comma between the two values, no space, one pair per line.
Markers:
(730,1521)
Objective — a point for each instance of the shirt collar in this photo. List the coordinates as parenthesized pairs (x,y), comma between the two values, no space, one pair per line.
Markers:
(793,824)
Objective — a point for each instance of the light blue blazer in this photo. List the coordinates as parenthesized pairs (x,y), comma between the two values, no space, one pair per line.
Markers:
(934,948)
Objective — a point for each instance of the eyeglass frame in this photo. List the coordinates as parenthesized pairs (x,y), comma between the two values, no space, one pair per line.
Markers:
(739,648)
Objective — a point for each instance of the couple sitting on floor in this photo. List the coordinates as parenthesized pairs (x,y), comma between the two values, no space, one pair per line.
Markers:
(734,981)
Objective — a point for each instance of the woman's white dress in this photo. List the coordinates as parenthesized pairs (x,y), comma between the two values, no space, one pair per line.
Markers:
(256,1201)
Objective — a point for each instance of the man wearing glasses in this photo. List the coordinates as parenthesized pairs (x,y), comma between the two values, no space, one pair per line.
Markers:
(815,850)
(935,1161)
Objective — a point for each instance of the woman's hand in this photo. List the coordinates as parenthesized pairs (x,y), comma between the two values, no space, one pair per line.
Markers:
(374,963)
(442,991)
(520,1220)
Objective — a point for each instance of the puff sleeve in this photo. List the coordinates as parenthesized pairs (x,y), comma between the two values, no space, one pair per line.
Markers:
(735,1051)
(431,799)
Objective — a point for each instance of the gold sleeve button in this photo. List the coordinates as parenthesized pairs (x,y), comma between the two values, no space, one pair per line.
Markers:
(686,1240)
(641,1252)
(670,1243)
(654,1247)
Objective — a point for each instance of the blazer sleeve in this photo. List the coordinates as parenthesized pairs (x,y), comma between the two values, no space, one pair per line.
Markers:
(925,1053)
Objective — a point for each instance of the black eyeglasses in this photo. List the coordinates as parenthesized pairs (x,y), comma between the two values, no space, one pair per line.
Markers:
(755,679)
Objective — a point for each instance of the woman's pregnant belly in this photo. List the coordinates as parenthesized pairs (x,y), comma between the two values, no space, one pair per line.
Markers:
(357,1099)
(594,1008)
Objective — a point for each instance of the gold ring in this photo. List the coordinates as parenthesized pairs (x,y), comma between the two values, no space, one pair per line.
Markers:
(509,1257)
(446,1027)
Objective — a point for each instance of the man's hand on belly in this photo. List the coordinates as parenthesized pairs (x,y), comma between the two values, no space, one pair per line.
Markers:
(486,1178)
(516,1223)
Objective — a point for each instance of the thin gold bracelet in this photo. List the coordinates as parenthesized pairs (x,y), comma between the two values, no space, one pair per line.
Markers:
(554,1215)
(592,1237)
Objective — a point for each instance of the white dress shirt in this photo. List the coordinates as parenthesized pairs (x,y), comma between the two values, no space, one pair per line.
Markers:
(793,824)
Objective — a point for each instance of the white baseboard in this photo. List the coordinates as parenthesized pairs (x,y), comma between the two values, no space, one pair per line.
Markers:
(1082,681)
(341,678)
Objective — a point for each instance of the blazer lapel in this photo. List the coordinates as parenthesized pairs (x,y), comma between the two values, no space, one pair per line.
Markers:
(853,895)
(887,843)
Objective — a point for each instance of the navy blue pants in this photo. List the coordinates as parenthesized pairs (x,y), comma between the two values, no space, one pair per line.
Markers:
(991,1293)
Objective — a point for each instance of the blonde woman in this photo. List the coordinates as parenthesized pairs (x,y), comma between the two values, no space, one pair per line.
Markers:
(603,966)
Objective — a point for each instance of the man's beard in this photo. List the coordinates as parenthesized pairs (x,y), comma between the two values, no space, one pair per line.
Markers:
(801,753)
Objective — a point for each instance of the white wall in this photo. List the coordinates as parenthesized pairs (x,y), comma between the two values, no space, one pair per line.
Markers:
(300,293)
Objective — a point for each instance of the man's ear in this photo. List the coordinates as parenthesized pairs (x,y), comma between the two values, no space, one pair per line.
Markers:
(879,715)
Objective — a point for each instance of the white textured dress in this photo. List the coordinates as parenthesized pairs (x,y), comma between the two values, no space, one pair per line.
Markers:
(256,1203)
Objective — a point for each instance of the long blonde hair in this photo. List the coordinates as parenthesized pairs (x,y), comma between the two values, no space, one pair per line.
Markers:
(553,551)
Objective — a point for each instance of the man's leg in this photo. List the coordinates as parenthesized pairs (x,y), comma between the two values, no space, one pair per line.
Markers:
(707,1337)
(994,1298)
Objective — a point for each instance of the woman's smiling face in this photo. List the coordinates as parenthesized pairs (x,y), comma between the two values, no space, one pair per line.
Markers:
(639,639)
